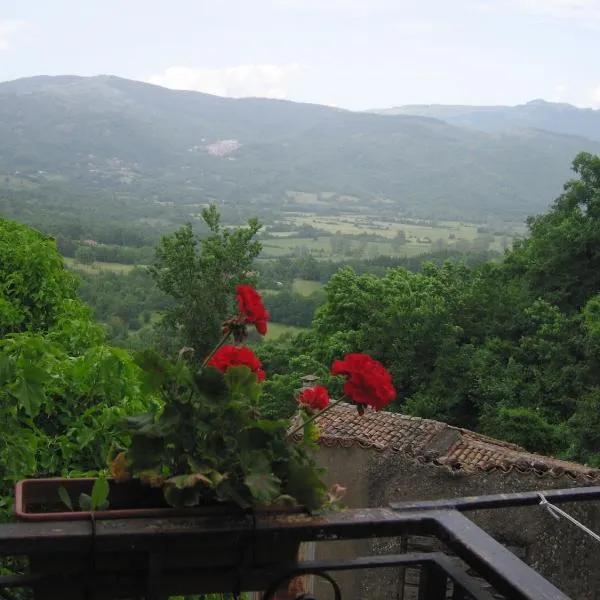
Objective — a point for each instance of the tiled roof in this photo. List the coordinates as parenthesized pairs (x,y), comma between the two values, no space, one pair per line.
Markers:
(438,444)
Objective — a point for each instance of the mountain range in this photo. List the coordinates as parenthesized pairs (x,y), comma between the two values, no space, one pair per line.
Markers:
(538,114)
(98,136)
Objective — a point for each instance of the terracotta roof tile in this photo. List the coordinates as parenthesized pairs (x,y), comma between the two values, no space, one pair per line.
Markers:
(438,443)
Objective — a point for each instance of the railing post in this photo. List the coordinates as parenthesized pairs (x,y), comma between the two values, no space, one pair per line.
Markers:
(432,583)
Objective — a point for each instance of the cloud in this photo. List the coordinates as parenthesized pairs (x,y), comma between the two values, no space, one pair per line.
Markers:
(586,12)
(594,97)
(267,81)
(559,93)
(337,6)
(12,31)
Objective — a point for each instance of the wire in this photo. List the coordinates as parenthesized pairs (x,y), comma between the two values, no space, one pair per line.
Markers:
(557,513)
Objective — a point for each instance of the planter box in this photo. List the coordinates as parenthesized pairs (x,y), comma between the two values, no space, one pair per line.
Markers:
(181,565)
(38,500)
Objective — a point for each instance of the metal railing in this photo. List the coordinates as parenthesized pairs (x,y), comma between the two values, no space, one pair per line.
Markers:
(158,558)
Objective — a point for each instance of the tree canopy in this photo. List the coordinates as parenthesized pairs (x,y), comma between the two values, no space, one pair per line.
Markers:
(509,349)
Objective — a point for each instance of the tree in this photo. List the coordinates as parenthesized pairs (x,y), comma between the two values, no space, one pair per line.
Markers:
(35,289)
(200,274)
(85,255)
(560,259)
(63,391)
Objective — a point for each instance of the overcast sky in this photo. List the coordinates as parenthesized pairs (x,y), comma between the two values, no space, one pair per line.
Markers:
(355,54)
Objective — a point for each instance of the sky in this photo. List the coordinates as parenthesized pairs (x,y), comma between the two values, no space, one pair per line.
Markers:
(356,54)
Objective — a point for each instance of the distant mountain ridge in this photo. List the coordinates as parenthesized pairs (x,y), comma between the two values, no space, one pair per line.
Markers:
(538,114)
(144,144)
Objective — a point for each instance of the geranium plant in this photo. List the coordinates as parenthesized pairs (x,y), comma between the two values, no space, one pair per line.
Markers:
(209,442)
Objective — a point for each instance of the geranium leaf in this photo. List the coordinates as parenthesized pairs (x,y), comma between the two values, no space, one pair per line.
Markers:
(186,490)
(240,380)
(264,487)
(145,451)
(210,383)
(189,481)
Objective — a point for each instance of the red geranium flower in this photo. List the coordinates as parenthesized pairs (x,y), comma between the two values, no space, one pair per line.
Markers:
(368,381)
(235,356)
(251,306)
(316,398)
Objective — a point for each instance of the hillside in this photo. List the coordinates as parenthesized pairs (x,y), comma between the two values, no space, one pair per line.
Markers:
(124,141)
(556,117)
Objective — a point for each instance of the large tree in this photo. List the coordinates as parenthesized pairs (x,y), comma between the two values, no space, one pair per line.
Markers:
(63,391)
(200,274)
(560,259)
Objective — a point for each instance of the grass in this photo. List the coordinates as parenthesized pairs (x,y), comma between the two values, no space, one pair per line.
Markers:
(276,330)
(306,287)
(98,267)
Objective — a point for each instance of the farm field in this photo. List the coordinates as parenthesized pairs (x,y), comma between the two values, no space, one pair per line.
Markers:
(321,248)
(419,238)
(98,267)
(276,330)
(307,287)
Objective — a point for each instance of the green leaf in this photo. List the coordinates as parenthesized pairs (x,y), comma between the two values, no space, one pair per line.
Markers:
(5,368)
(264,487)
(140,422)
(146,451)
(100,493)
(186,490)
(34,374)
(155,368)
(227,493)
(85,502)
(66,499)
(285,500)
(29,395)
(240,380)
(210,382)
(189,481)
(270,426)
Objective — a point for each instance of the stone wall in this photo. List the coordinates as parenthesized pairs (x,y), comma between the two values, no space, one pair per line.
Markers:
(556,549)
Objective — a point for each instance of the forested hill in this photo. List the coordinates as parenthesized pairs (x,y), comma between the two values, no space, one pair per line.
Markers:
(550,116)
(143,144)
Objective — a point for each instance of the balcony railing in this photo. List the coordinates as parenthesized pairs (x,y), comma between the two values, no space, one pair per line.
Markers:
(153,558)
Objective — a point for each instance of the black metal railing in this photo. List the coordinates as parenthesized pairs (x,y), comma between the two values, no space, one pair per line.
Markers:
(157,558)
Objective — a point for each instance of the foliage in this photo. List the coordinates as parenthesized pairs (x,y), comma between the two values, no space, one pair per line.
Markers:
(63,392)
(200,275)
(97,500)
(211,443)
(509,349)
(34,288)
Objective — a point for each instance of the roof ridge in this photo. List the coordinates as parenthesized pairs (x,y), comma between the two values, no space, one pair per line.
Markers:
(439,444)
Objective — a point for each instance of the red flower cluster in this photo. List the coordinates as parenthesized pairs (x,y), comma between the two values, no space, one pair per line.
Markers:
(368,383)
(235,356)
(316,398)
(251,306)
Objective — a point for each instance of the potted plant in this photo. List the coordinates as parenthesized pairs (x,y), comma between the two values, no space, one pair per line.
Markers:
(208,448)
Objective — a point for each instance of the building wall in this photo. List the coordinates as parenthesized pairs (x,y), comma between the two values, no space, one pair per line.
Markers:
(556,549)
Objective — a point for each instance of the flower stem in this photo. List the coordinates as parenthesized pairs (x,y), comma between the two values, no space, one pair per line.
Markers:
(313,417)
(213,351)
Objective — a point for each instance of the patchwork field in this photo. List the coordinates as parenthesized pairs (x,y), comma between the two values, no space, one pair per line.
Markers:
(395,238)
